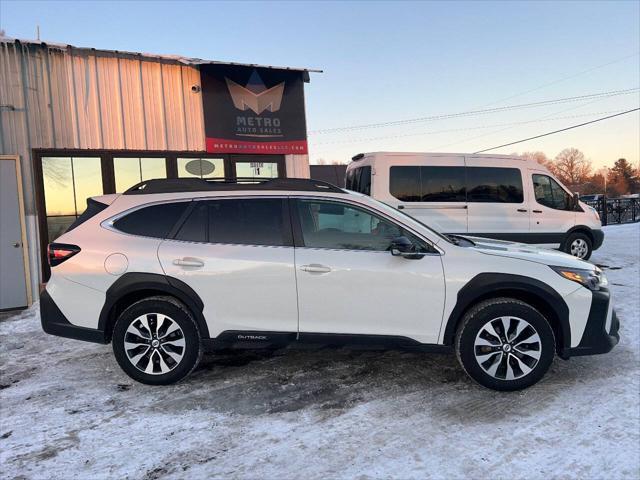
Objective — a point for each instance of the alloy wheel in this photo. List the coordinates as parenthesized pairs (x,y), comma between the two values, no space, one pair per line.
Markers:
(507,348)
(579,248)
(154,343)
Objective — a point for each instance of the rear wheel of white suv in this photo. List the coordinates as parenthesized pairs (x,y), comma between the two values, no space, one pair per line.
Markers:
(505,344)
(156,341)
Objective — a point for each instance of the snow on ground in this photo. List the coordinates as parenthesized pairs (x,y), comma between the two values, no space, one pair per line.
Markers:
(67,411)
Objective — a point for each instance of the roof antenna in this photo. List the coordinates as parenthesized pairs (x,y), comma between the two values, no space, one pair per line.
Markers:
(38,32)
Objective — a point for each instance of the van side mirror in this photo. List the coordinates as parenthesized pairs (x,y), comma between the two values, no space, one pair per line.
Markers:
(403,247)
(576,200)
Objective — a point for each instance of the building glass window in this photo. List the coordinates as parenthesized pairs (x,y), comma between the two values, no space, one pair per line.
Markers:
(201,167)
(131,170)
(68,182)
(256,170)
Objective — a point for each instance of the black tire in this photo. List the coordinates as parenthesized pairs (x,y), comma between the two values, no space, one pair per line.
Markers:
(148,309)
(578,242)
(473,329)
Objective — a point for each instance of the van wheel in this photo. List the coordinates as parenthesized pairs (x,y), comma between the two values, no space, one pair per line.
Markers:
(156,341)
(579,245)
(505,344)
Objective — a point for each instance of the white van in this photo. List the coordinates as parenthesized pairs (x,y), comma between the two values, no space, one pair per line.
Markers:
(494,196)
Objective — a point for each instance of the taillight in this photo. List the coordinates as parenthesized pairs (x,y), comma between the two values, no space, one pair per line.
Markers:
(59,252)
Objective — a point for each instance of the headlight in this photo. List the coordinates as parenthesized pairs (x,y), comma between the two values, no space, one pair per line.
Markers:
(595,213)
(591,279)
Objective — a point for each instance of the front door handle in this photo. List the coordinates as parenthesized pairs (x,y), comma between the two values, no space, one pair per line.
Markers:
(536,211)
(523,210)
(315,268)
(188,262)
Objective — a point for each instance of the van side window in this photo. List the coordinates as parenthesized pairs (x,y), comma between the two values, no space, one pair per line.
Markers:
(152,221)
(443,184)
(359,180)
(327,224)
(494,185)
(428,184)
(549,193)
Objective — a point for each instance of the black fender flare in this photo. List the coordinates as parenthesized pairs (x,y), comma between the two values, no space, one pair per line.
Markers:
(487,285)
(132,282)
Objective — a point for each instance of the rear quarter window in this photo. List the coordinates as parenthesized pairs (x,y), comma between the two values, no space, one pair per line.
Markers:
(152,221)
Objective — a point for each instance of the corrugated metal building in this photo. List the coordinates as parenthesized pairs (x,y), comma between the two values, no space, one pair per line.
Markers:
(84,122)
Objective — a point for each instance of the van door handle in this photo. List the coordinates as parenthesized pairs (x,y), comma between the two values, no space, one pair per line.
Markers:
(536,211)
(188,262)
(522,210)
(400,207)
(315,268)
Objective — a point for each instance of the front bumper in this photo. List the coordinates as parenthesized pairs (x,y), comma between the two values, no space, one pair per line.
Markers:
(601,333)
(55,323)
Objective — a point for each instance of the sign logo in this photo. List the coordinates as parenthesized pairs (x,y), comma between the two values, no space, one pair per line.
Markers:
(253,110)
(255,96)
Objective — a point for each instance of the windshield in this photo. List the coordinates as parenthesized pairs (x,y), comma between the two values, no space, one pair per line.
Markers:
(384,206)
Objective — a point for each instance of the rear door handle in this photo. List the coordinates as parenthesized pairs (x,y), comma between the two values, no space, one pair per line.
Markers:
(522,210)
(315,268)
(188,262)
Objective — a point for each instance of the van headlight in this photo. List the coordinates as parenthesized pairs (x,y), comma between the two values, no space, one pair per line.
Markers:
(595,212)
(591,279)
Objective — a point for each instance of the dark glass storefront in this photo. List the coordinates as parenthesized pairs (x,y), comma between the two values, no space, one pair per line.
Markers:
(66,178)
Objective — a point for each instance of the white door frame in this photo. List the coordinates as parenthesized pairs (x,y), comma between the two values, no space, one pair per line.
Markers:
(23,226)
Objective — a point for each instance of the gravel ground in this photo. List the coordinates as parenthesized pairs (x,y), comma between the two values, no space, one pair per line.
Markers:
(67,411)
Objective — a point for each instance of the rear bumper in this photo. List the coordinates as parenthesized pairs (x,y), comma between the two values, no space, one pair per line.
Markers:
(55,323)
(601,333)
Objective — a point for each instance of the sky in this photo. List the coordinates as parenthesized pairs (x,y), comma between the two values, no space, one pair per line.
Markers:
(391,61)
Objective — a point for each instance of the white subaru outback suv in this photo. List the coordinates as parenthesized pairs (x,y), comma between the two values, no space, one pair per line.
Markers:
(174,267)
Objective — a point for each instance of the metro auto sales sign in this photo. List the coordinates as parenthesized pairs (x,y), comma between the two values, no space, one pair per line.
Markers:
(253,110)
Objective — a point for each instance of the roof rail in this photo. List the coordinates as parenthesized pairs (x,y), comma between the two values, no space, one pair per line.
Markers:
(357,157)
(177,185)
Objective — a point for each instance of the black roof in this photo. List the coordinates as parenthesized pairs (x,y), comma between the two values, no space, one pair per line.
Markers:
(177,185)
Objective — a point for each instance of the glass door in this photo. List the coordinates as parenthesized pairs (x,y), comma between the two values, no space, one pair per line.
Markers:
(257,166)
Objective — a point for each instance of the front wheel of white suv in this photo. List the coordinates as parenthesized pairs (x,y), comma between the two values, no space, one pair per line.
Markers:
(156,341)
(505,344)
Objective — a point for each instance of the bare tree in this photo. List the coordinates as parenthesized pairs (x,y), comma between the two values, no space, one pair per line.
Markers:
(571,166)
(539,157)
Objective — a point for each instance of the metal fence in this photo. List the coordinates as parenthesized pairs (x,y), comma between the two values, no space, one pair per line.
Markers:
(617,210)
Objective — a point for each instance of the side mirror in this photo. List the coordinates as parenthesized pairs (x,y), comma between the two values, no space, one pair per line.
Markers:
(576,199)
(403,247)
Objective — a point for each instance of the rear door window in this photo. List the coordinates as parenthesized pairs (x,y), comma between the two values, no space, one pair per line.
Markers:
(260,221)
(152,221)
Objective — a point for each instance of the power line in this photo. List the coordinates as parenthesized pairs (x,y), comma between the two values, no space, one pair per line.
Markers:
(558,131)
(476,112)
(463,129)
(560,80)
